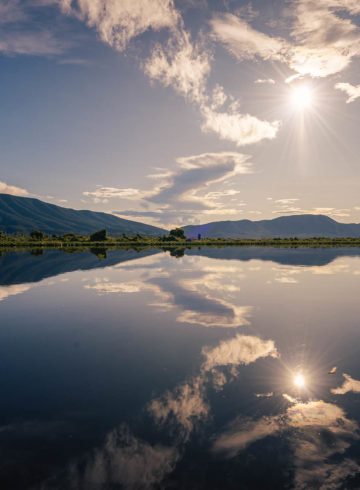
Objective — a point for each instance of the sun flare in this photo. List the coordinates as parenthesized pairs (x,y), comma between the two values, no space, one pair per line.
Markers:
(299,380)
(301,97)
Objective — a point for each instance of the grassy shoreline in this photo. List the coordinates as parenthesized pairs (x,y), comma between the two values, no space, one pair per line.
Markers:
(317,242)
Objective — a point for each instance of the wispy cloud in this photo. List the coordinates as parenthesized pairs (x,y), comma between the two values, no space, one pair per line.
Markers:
(187,190)
(322,42)
(118,22)
(34,43)
(262,81)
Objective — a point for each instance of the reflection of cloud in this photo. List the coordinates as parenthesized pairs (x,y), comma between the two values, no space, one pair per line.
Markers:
(115,287)
(349,384)
(200,308)
(316,430)
(243,349)
(6,291)
(185,405)
(124,461)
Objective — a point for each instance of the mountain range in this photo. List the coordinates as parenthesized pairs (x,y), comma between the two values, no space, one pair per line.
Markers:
(301,226)
(24,214)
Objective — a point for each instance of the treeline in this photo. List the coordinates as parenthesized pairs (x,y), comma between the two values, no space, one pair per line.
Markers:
(175,238)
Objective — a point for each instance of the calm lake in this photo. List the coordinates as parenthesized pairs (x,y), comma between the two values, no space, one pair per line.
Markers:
(233,368)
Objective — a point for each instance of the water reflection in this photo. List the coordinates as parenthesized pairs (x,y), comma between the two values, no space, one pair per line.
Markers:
(113,379)
(318,433)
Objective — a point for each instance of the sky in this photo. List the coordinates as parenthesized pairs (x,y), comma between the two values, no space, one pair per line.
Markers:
(182,112)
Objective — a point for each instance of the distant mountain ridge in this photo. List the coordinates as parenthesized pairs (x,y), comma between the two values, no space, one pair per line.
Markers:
(301,226)
(24,214)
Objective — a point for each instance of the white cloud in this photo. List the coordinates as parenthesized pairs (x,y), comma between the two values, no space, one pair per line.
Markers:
(323,43)
(244,42)
(13,190)
(268,81)
(114,192)
(185,190)
(348,385)
(118,22)
(181,64)
(198,172)
(352,91)
(242,129)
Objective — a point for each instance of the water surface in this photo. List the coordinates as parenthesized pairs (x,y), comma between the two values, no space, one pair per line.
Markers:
(145,370)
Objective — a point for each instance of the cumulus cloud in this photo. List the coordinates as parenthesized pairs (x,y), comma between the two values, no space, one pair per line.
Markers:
(348,385)
(13,190)
(352,91)
(242,129)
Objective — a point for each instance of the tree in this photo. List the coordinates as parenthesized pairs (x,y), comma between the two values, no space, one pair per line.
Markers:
(37,235)
(98,236)
(178,233)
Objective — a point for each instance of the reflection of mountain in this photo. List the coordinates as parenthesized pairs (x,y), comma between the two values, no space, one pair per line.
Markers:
(288,256)
(23,267)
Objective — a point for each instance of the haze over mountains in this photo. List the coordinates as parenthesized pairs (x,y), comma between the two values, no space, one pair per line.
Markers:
(23,214)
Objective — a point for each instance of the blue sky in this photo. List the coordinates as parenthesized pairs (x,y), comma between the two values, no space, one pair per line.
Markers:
(184,112)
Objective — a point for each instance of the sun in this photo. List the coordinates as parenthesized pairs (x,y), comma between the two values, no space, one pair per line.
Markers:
(301,97)
(299,380)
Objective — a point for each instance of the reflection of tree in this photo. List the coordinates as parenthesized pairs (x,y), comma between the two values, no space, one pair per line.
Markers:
(37,252)
(101,253)
(177,252)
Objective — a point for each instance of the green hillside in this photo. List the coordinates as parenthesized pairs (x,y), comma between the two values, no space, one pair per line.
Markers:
(23,214)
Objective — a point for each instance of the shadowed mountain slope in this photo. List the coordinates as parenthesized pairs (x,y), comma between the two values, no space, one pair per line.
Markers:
(23,214)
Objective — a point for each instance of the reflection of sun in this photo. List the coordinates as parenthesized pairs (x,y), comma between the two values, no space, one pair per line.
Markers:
(301,97)
(299,380)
